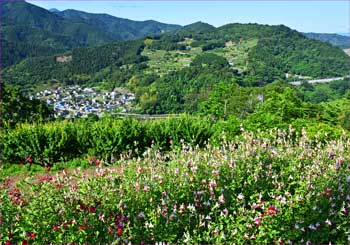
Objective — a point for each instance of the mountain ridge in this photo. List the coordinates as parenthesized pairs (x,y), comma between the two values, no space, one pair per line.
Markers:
(341,41)
(50,28)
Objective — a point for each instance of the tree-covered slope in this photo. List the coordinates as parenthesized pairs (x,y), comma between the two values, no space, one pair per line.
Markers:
(334,39)
(85,62)
(197,27)
(287,51)
(32,29)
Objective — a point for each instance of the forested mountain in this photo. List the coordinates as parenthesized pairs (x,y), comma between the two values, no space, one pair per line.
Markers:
(334,39)
(28,30)
(118,28)
(197,27)
(184,70)
(181,71)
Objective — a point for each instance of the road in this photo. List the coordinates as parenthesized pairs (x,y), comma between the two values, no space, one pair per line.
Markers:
(146,116)
(324,80)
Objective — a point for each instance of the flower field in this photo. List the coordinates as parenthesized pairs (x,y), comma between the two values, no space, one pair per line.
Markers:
(281,188)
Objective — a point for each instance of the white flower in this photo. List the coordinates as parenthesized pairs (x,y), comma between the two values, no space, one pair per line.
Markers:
(101,218)
(149,225)
(328,222)
(187,237)
(207,203)
(191,208)
(216,205)
(207,217)
(141,215)
(240,196)
(283,200)
(312,227)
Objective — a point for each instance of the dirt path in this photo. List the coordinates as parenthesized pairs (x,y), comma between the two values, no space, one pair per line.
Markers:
(73,174)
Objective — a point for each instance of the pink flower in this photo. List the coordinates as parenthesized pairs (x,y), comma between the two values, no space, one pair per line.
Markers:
(212,183)
(165,212)
(255,206)
(272,211)
(182,208)
(82,227)
(31,235)
(120,232)
(257,220)
(224,212)
(97,162)
(146,188)
(101,218)
(222,199)
(64,172)
(29,159)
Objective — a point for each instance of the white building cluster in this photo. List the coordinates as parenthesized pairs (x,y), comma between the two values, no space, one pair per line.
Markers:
(74,101)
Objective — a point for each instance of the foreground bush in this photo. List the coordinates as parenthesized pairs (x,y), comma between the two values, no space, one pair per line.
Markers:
(49,143)
(108,138)
(255,189)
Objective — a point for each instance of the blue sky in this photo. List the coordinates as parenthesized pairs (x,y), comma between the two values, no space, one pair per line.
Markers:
(306,16)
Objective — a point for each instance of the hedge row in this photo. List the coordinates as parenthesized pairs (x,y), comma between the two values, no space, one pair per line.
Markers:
(108,138)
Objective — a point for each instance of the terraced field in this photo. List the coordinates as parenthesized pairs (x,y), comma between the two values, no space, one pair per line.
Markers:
(162,62)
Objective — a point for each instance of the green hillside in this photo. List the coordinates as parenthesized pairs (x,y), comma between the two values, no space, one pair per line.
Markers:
(35,31)
(179,72)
